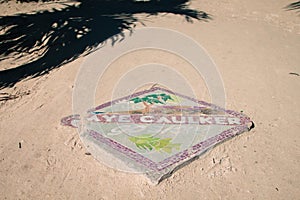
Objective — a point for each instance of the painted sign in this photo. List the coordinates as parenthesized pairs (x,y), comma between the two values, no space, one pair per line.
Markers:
(155,131)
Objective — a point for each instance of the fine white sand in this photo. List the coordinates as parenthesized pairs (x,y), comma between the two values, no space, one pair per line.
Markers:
(255,45)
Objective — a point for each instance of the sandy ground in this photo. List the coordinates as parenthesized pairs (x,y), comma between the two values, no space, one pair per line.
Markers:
(255,45)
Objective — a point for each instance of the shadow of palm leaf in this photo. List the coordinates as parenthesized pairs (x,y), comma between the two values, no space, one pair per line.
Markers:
(53,38)
(293,6)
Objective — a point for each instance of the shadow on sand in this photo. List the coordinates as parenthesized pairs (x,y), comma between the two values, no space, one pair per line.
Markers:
(53,38)
(293,6)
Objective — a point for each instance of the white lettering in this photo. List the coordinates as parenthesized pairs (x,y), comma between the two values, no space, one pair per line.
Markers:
(147,119)
(191,120)
(174,119)
(205,120)
(124,118)
(108,118)
(220,120)
(163,119)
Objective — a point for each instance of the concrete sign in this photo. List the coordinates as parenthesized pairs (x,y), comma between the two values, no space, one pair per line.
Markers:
(155,131)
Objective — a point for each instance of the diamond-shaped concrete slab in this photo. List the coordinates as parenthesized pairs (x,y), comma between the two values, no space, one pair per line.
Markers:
(155,131)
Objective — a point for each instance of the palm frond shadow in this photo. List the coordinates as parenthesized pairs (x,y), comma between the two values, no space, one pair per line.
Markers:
(293,6)
(54,38)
